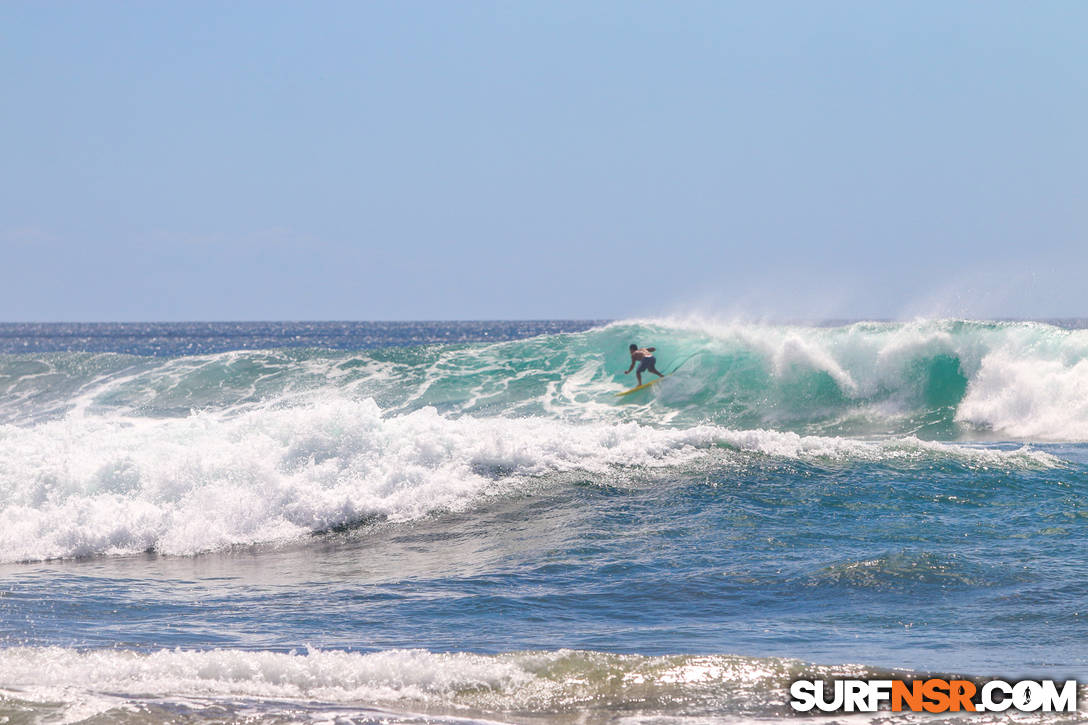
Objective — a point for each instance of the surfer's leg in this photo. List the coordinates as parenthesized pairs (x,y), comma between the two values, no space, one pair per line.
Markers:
(638,375)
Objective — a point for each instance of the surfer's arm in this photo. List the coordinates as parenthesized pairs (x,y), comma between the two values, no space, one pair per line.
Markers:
(628,370)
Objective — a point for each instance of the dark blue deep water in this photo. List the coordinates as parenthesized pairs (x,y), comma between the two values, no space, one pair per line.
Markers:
(417,521)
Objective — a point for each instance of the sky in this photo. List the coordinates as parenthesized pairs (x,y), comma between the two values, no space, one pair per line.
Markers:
(542,160)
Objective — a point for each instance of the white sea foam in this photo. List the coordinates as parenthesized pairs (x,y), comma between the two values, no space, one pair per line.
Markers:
(548,683)
(327,675)
(94,682)
(66,685)
(89,485)
(1029,398)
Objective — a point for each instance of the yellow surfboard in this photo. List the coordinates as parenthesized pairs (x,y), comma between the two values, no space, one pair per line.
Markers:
(641,387)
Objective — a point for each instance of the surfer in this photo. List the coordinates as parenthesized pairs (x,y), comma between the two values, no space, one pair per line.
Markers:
(645,359)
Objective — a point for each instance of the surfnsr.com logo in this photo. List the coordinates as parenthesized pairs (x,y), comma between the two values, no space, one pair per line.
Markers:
(933,695)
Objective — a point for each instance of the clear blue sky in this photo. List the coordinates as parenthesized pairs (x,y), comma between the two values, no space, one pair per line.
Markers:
(458,160)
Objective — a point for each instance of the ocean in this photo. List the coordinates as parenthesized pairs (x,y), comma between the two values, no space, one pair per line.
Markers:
(451,522)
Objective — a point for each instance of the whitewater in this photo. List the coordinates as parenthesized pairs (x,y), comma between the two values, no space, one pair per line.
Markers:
(419,522)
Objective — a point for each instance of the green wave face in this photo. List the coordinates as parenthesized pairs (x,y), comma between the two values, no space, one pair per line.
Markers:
(934,379)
